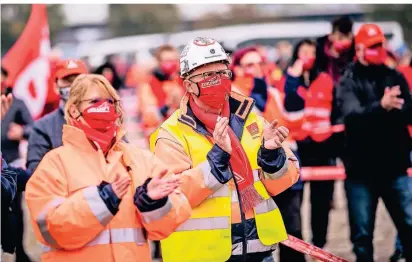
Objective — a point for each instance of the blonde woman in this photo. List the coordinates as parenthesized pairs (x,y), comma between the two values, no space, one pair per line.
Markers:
(97,198)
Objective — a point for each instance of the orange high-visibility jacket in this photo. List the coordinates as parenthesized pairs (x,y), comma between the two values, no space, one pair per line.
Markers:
(152,97)
(73,222)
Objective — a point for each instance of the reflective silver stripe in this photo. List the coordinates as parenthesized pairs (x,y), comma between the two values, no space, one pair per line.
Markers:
(113,236)
(42,220)
(266,206)
(279,173)
(253,246)
(205,224)
(209,179)
(222,192)
(157,214)
(128,235)
(256,175)
(235,197)
(97,206)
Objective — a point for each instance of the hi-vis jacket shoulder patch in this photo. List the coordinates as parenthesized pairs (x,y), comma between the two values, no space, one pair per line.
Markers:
(253,129)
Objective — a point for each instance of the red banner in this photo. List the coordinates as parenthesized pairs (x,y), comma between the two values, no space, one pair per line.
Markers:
(28,64)
(311,250)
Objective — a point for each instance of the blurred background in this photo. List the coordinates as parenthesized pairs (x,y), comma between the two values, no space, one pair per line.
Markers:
(132,32)
(127,36)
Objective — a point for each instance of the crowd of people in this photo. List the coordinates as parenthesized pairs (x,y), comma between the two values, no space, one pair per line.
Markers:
(228,136)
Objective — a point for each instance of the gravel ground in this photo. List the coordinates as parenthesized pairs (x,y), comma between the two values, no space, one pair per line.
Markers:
(338,237)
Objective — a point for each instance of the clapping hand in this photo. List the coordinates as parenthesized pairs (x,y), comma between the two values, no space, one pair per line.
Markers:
(161,186)
(274,136)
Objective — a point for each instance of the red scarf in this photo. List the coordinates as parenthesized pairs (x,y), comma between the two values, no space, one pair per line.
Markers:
(239,162)
(105,140)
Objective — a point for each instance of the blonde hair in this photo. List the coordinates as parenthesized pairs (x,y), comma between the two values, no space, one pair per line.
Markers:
(79,88)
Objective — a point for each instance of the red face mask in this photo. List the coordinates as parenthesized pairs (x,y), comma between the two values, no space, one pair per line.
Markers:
(342,46)
(169,67)
(308,63)
(214,91)
(249,72)
(375,56)
(101,118)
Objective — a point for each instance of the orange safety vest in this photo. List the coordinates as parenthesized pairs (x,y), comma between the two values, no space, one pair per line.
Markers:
(318,108)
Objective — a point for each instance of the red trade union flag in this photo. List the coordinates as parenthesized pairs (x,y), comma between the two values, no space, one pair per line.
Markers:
(28,64)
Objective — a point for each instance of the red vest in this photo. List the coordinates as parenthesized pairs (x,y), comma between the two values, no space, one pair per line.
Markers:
(318,108)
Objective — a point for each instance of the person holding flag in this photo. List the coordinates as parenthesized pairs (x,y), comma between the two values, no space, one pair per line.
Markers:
(230,162)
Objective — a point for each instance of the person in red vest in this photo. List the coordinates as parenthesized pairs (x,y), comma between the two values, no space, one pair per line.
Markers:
(311,93)
(160,97)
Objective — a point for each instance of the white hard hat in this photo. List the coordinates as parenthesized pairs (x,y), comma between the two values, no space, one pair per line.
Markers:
(201,51)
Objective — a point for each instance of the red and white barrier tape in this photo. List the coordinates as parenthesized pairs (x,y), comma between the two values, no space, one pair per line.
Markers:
(311,250)
(328,173)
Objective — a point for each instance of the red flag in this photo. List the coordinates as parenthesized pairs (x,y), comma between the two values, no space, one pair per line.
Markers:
(28,64)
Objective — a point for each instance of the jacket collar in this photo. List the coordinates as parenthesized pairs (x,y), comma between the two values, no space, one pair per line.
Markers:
(240,108)
(76,137)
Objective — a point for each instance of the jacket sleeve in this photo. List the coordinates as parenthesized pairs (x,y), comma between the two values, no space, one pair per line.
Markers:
(27,120)
(161,217)
(8,185)
(37,148)
(407,97)
(197,182)
(61,220)
(280,168)
(293,101)
(350,107)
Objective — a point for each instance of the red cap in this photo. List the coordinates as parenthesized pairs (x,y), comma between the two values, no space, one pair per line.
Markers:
(70,67)
(239,54)
(369,35)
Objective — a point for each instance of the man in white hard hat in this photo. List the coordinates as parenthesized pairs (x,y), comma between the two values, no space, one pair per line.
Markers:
(230,161)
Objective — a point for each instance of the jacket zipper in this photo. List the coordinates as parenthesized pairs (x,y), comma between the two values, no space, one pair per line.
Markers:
(242,217)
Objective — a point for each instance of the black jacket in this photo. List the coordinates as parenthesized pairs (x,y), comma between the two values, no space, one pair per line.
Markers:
(46,135)
(377,142)
(8,192)
(19,114)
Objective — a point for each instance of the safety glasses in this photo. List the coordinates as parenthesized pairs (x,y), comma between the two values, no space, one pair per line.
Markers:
(224,74)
